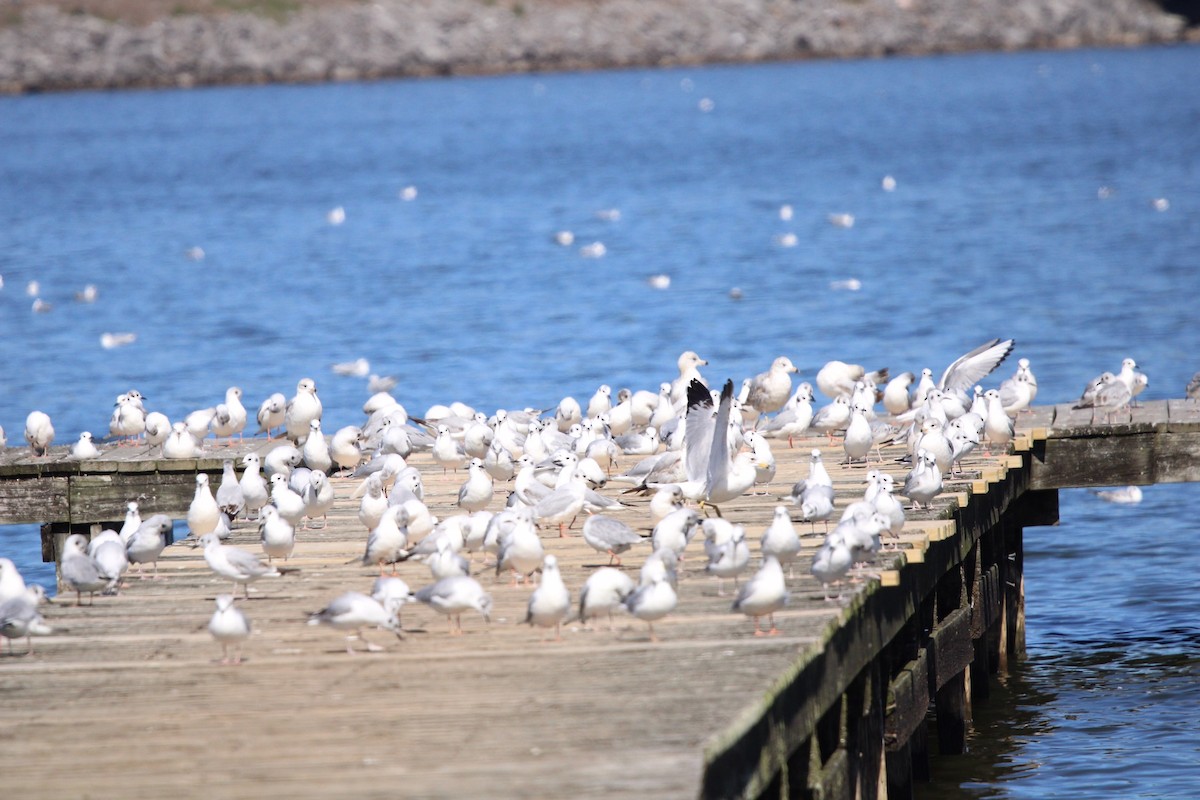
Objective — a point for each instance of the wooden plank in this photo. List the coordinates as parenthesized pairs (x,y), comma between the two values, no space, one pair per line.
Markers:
(28,501)
(950,646)
(907,702)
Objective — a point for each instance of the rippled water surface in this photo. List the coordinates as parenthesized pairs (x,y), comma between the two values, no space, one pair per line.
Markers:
(997,227)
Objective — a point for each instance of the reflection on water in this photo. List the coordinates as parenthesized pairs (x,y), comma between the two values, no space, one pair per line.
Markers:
(1106,705)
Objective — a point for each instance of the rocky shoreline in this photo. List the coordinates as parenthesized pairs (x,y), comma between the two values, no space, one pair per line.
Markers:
(49,50)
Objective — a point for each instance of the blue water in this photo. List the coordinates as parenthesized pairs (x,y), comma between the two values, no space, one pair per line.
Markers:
(996,228)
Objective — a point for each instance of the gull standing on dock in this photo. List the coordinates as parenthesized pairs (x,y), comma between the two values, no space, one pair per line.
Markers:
(203,513)
(769,390)
(604,591)
(998,426)
(923,482)
(276,534)
(355,611)
(688,363)
(316,449)
(180,443)
(12,585)
(344,448)
(388,540)
(837,378)
(301,410)
(236,565)
(652,601)
(763,595)
(80,571)
(454,595)
(228,625)
(271,414)
(728,553)
(148,541)
(19,617)
(84,448)
(231,415)
(231,500)
(254,488)
(831,563)
(108,551)
(609,535)
(550,601)
(476,492)
(780,539)
(39,433)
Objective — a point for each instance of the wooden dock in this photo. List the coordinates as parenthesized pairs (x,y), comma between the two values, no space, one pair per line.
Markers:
(126,700)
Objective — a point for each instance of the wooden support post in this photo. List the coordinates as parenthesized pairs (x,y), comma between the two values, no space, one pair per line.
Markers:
(919,746)
(899,768)
(953,713)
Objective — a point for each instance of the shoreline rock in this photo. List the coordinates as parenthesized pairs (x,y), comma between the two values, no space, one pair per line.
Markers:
(49,50)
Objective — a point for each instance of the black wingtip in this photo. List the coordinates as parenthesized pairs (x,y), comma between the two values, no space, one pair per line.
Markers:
(697,394)
(727,390)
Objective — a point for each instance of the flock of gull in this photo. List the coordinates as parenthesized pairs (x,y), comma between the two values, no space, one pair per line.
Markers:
(698,448)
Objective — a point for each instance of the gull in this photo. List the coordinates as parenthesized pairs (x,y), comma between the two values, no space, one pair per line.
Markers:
(608,535)
(39,433)
(108,551)
(237,565)
(128,418)
(896,399)
(354,611)
(203,512)
(19,617)
(725,478)
(970,368)
(380,383)
(392,593)
(446,561)
(315,449)
(1193,388)
(688,362)
(302,409)
(84,448)
(271,413)
(476,491)
(228,625)
(79,570)
(387,542)
(230,417)
(933,440)
(567,413)
(336,216)
(180,443)
(447,453)
(794,419)
(604,591)
(373,503)
(147,542)
(230,498)
(769,390)
(780,540)
(763,595)
(199,422)
(499,462)
(879,494)
(158,428)
(833,417)
(455,595)
(318,497)
(1017,393)
(563,504)
(88,294)
(728,553)
(111,340)
(664,501)
(133,521)
(837,378)
(998,426)
(11,583)
(1126,495)
(1111,397)
(276,534)
(601,402)
(254,488)
(831,562)
(521,550)
(661,564)
(963,439)
(358,368)
(652,601)
(637,443)
(859,438)
(478,437)
(923,482)
(551,601)
(289,503)
(764,459)
(675,530)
